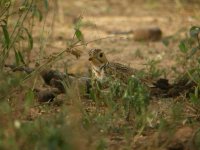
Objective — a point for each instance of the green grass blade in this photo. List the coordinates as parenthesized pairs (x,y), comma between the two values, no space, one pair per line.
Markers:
(30,38)
(6,36)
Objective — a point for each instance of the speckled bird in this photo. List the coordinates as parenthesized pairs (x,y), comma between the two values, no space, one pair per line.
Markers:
(103,69)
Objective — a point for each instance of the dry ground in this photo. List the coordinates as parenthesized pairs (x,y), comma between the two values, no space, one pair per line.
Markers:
(100,19)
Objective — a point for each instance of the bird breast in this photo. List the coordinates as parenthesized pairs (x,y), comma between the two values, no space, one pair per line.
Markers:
(99,73)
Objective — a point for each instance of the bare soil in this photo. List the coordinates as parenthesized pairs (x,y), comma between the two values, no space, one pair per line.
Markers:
(102,19)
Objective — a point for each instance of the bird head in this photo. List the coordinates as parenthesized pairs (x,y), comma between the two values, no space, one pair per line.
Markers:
(97,57)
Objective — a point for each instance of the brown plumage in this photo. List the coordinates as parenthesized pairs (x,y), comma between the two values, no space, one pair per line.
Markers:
(104,69)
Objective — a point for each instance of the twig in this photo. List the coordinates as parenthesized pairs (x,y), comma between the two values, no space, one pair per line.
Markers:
(86,43)
(19,68)
(59,54)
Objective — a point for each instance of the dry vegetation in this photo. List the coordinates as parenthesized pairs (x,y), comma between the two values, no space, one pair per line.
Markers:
(56,35)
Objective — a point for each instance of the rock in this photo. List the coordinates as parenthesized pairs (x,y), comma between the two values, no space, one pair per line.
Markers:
(183,134)
(45,95)
(147,34)
(181,139)
(176,146)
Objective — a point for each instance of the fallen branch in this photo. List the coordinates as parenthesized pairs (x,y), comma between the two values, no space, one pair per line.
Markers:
(55,79)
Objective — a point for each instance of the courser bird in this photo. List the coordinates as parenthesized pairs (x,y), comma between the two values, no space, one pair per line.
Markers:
(104,69)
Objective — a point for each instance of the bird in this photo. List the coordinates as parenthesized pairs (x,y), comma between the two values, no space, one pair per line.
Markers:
(104,69)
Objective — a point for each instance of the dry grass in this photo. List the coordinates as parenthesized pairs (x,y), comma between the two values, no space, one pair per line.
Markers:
(78,121)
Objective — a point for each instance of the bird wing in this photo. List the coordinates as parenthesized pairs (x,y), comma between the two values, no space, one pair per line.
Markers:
(119,68)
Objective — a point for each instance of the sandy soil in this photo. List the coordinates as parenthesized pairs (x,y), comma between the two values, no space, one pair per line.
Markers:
(102,19)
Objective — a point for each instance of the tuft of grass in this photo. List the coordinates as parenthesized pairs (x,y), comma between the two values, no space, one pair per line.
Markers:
(121,112)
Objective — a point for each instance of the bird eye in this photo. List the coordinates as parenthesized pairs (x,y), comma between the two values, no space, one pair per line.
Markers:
(101,55)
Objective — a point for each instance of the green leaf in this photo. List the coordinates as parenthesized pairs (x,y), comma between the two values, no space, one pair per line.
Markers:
(78,23)
(19,58)
(29,98)
(194,31)
(165,41)
(38,14)
(30,38)
(46,4)
(194,98)
(6,35)
(79,35)
(183,47)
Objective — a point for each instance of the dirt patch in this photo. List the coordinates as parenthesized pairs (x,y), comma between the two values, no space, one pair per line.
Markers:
(116,22)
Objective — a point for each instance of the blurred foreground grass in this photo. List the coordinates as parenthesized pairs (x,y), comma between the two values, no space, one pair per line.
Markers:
(79,122)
